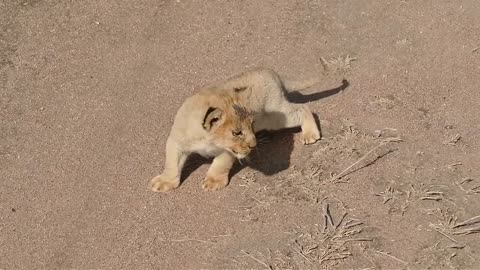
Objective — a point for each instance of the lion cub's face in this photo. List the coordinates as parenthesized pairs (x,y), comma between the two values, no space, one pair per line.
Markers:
(231,129)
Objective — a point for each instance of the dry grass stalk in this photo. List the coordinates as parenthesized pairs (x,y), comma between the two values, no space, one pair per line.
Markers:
(454,166)
(257,260)
(467,231)
(468,222)
(465,181)
(272,260)
(391,256)
(453,140)
(444,234)
(469,191)
(191,240)
(347,170)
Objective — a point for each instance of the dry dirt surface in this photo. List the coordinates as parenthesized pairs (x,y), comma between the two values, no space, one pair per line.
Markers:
(89,90)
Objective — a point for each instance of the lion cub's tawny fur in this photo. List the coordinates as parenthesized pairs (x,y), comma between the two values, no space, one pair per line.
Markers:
(221,121)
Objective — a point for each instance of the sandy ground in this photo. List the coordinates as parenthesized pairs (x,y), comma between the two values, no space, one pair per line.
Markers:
(89,89)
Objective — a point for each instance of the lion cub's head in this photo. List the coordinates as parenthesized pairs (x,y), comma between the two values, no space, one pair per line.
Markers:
(231,128)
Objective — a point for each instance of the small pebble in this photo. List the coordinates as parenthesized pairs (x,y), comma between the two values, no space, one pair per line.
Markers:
(448,127)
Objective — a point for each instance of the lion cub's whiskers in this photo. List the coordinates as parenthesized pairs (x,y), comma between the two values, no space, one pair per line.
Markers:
(240,160)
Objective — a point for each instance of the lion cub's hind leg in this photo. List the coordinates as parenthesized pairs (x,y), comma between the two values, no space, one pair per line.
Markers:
(217,175)
(290,115)
(299,115)
(310,130)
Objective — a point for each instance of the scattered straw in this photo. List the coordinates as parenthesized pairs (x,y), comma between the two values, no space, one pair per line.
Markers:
(339,64)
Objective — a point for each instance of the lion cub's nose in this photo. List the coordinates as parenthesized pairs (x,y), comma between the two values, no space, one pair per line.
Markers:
(252,144)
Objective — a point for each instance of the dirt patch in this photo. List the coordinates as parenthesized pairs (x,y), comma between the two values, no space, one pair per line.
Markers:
(89,89)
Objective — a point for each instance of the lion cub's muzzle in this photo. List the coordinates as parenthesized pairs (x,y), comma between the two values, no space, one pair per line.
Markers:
(245,150)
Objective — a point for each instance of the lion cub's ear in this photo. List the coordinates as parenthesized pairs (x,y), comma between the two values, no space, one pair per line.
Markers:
(212,117)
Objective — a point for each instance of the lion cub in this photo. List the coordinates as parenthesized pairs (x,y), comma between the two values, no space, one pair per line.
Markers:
(221,121)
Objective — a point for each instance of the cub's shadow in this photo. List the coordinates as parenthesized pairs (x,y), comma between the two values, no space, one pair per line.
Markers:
(273,151)
(297,97)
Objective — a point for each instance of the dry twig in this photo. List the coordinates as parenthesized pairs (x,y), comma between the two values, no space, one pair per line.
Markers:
(468,222)
(391,256)
(257,260)
(468,180)
(191,239)
(444,234)
(453,140)
(346,171)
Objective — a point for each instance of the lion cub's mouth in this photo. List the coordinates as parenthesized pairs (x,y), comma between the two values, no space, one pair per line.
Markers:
(239,155)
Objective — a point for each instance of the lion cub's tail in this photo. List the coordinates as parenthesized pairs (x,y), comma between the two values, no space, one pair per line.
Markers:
(291,86)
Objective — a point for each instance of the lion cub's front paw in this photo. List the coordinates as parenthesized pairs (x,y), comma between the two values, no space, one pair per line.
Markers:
(311,136)
(163,184)
(214,183)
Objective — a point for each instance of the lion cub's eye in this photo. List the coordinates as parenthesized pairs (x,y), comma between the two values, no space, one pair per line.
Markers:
(237,133)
